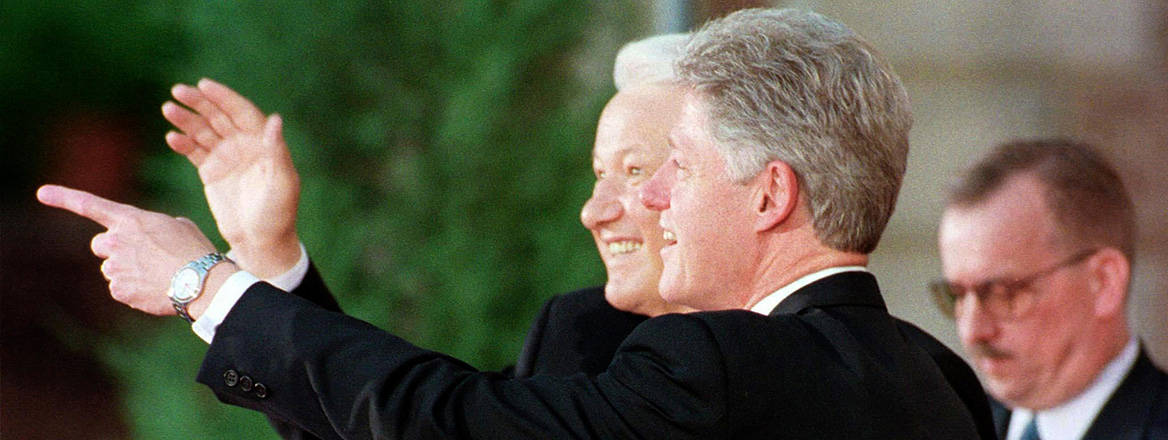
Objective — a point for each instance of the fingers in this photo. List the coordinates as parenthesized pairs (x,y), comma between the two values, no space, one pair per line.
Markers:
(240,110)
(102,246)
(184,145)
(190,123)
(105,212)
(196,136)
(208,112)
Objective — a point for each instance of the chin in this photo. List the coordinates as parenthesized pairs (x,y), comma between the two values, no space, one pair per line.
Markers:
(627,298)
(672,295)
(1005,392)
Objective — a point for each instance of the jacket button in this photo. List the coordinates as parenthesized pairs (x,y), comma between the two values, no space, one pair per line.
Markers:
(245,383)
(230,378)
(261,391)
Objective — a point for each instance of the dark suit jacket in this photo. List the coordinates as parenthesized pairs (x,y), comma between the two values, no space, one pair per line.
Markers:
(311,288)
(576,332)
(959,375)
(1137,411)
(828,363)
(580,332)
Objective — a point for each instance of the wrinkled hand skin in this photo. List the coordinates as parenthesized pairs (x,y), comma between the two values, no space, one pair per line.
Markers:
(141,249)
(251,184)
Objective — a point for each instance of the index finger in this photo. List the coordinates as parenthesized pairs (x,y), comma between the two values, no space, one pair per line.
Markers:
(242,112)
(105,212)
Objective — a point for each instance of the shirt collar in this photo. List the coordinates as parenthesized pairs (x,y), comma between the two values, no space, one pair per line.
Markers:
(768,303)
(1072,418)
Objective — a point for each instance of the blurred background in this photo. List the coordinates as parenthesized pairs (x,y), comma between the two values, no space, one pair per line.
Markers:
(444,154)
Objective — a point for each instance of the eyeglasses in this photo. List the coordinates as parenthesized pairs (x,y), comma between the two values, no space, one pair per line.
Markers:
(1002,299)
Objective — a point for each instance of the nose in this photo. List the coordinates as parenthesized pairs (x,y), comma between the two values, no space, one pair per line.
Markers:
(974,323)
(654,192)
(602,207)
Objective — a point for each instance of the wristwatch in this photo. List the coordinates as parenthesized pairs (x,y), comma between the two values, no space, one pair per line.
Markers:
(187,283)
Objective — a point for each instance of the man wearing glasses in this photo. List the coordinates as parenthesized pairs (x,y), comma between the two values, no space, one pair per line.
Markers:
(1036,245)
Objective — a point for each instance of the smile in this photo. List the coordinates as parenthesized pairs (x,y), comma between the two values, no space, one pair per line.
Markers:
(624,247)
(668,236)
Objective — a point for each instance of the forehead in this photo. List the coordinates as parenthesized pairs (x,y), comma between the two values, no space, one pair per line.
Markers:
(637,121)
(1012,229)
(692,128)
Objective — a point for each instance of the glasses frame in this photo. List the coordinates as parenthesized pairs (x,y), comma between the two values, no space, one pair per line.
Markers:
(946,294)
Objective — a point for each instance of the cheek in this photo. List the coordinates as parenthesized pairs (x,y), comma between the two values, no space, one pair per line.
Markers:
(1032,341)
(646,220)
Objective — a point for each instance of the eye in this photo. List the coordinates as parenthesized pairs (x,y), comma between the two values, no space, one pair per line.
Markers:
(635,171)
(599,173)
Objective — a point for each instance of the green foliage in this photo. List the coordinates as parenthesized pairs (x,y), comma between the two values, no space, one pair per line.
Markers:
(443,148)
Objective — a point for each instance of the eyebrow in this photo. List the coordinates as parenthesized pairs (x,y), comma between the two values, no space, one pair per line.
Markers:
(622,152)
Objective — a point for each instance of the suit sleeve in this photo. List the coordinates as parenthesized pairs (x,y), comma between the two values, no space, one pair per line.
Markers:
(338,377)
(311,288)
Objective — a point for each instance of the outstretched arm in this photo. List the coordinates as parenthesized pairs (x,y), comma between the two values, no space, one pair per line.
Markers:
(251,185)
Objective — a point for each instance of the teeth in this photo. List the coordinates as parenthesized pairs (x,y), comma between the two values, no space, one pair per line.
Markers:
(668,236)
(623,247)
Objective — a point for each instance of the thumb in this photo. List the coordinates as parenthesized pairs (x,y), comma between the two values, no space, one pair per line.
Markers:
(274,132)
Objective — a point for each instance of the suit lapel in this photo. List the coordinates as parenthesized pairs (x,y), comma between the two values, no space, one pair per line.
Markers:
(1126,414)
(844,289)
(1001,417)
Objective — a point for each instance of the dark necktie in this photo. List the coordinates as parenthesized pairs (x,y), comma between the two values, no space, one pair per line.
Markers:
(1031,431)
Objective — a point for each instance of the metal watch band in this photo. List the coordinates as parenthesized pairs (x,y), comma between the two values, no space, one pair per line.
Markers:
(203,266)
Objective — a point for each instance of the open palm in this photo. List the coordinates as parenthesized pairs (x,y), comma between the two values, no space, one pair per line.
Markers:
(247,173)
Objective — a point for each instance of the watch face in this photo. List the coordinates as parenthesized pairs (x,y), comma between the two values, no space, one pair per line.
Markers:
(185,285)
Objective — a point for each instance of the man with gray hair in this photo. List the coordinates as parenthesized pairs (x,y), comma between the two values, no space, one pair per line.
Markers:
(1037,242)
(780,179)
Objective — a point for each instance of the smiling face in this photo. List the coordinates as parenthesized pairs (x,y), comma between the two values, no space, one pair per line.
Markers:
(709,259)
(631,143)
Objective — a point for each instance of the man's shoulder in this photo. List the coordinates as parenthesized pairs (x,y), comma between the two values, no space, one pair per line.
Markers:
(727,332)
(925,340)
(586,310)
(837,360)
(588,297)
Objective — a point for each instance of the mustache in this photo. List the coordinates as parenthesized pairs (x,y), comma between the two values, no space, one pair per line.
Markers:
(987,350)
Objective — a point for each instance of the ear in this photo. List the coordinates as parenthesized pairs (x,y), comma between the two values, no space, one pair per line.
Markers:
(1110,275)
(777,195)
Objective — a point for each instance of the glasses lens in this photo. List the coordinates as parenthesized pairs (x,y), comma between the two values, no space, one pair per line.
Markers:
(1011,302)
(944,296)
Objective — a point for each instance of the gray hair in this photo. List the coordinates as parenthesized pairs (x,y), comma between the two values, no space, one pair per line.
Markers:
(648,61)
(1082,190)
(798,87)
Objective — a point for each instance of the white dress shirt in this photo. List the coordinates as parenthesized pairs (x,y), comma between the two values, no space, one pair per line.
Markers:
(1071,420)
(768,303)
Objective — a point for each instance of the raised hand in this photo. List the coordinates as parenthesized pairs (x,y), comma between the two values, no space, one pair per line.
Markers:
(142,249)
(251,185)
